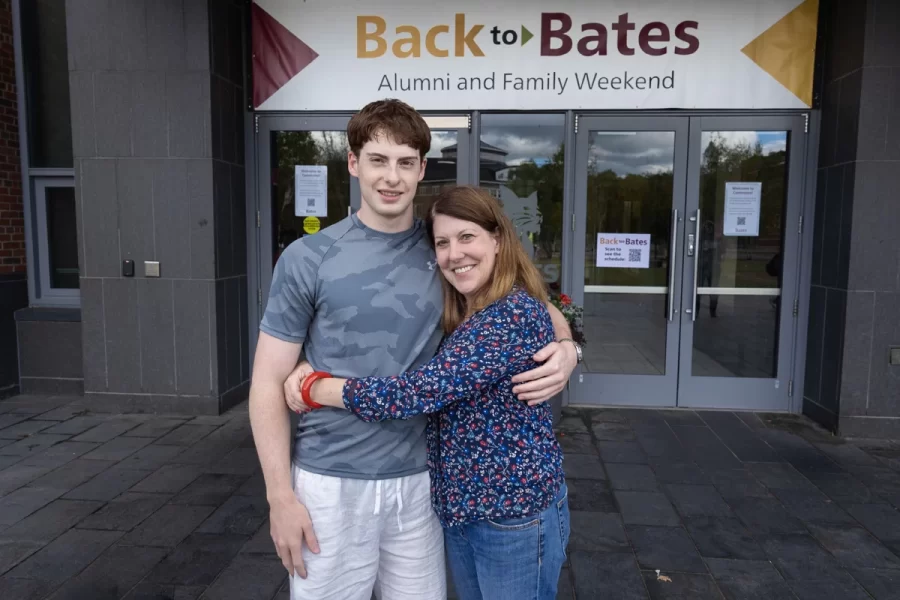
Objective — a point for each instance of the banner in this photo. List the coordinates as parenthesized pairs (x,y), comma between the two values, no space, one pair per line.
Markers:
(328,55)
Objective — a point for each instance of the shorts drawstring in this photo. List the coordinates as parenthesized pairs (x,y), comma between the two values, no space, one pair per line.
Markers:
(377,496)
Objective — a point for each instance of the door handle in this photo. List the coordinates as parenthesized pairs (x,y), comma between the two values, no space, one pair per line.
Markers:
(690,244)
(696,272)
(672,251)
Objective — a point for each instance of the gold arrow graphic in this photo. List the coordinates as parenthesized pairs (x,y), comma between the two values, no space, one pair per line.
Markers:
(787,50)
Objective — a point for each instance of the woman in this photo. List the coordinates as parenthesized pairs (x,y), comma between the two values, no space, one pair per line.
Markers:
(496,467)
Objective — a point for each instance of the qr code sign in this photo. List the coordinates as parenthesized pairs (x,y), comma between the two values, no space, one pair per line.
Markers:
(310,202)
(742,220)
(634,255)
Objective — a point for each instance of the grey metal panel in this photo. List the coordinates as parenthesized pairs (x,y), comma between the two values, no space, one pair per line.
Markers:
(87,50)
(30,258)
(569,186)
(112,113)
(202,218)
(167,26)
(189,101)
(233,290)
(805,262)
(222,208)
(123,336)
(196,33)
(172,219)
(81,100)
(128,34)
(50,349)
(645,390)
(99,216)
(858,368)
(93,334)
(568,235)
(134,189)
(873,263)
(251,187)
(220,341)
(748,393)
(156,307)
(238,221)
(148,96)
(194,313)
(472,160)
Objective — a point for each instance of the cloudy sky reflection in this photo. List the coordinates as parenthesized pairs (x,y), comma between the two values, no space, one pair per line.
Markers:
(625,152)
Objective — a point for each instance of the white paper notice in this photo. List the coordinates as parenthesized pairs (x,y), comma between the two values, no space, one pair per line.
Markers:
(742,207)
(310,191)
(623,250)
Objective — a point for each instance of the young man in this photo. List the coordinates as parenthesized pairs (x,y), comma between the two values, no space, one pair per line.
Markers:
(362,297)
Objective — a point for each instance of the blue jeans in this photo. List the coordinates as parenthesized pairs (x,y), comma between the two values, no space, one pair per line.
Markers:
(513,559)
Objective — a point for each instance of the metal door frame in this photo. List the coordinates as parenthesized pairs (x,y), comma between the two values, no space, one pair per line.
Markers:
(631,390)
(742,392)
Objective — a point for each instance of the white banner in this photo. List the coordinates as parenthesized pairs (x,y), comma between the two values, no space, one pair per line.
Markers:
(327,55)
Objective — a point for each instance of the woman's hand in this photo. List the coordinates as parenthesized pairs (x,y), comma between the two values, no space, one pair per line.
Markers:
(292,388)
(542,383)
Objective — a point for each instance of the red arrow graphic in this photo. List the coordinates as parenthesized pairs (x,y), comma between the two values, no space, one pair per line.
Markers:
(278,55)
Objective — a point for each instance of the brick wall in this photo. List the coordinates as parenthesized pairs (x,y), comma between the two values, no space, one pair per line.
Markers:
(12,224)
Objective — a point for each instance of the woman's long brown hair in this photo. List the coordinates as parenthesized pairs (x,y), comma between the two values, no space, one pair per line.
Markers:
(512,266)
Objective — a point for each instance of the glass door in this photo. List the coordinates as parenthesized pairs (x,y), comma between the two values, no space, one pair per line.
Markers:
(286,143)
(629,210)
(686,252)
(741,252)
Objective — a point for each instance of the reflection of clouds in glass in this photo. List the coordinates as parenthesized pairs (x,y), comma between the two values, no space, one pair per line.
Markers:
(439,140)
(525,143)
(640,152)
(335,139)
(770,141)
(773,147)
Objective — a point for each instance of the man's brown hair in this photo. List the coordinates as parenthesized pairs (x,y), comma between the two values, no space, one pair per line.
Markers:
(396,120)
(512,266)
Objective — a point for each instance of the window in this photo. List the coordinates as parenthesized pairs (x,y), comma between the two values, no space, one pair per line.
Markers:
(46,80)
(46,144)
(57,239)
(521,159)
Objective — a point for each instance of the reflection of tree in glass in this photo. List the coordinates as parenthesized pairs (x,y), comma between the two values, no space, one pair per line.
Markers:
(727,161)
(741,260)
(291,148)
(547,181)
(631,203)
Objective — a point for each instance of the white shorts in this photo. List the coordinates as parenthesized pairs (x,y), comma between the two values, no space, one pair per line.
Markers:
(374,535)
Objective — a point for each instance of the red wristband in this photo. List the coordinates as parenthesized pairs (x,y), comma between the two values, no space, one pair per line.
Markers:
(306,387)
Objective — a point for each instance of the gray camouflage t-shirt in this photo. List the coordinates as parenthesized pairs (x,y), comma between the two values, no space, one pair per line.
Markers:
(362,303)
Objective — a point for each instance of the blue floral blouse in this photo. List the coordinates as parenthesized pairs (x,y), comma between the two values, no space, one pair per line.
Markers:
(491,456)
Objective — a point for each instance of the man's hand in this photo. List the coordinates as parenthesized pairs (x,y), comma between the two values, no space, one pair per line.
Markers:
(542,383)
(289,525)
(292,387)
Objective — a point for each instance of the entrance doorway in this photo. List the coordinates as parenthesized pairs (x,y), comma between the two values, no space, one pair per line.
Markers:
(686,259)
(701,315)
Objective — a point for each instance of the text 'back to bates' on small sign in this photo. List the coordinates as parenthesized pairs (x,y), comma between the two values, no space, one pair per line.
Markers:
(623,250)
(310,191)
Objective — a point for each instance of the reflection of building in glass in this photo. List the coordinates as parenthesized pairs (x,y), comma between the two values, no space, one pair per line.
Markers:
(511,184)
(441,172)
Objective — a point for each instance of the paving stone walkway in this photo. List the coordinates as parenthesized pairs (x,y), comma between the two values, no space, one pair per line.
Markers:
(665,504)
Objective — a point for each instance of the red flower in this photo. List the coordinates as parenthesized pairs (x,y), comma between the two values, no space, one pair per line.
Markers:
(565,300)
